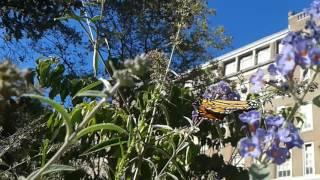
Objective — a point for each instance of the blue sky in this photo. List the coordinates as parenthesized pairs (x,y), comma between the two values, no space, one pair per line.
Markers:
(250,20)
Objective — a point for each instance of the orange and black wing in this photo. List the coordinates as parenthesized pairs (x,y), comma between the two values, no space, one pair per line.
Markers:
(218,109)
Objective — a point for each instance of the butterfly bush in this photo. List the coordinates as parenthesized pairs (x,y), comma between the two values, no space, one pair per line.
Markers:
(274,141)
(300,49)
(270,137)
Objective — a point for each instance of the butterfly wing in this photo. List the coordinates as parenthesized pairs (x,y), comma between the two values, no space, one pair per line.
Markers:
(218,109)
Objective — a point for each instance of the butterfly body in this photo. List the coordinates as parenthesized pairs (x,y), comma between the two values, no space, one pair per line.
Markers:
(218,109)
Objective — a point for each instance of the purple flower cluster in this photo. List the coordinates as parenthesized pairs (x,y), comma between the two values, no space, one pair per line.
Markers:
(221,90)
(299,49)
(275,141)
(257,81)
(314,10)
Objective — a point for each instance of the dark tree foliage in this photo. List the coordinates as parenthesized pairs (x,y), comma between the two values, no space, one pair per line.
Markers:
(131,27)
(32,18)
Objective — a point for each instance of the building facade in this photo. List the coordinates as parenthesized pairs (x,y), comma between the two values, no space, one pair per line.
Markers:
(242,63)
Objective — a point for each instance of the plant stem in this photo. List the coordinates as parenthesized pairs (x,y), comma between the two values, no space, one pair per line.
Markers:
(300,100)
(71,139)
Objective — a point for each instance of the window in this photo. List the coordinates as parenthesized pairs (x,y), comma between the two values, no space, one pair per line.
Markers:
(306,110)
(308,159)
(284,170)
(279,48)
(230,68)
(246,62)
(263,55)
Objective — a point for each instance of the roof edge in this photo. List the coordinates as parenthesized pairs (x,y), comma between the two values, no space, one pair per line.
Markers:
(248,46)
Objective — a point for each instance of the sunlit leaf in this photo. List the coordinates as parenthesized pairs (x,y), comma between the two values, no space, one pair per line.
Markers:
(92,93)
(89,87)
(76,115)
(102,126)
(95,18)
(162,127)
(54,168)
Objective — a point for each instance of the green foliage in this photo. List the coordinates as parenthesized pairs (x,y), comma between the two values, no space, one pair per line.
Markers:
(136,121)
(32,19)
(59,108)
(259,172)
(51,73)
(102,126)
(56,168)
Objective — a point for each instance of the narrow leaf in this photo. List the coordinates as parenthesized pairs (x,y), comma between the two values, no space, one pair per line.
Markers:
(95,18)
(54,168)
(89,87)
(95,59)
(93,93)
(102,126)
(58,107)
(164,127)
(103,145)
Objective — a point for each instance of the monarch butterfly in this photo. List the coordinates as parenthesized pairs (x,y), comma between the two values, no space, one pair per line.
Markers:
(218,109)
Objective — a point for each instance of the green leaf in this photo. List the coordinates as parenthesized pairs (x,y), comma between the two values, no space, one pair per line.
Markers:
(316,101)
(93,93)
(103,145)
(166,113)
(163,127)
(259,172)
(102,126)
(95,59)
(59,108)
(44,68)
(76,115)
(67,17)
(44,150)
(95,18)
(90,86)
(54,168)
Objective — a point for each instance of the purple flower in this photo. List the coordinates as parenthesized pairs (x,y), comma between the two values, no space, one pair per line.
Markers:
(296,141)
(257,81)
(274,121)
(314,55)
(314,10)
(265,137)
(286,60)
(302,48)
(313,30)
(252,118)
(250,147)
(278,155)
(272,69)
(221,90)
(283,135)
